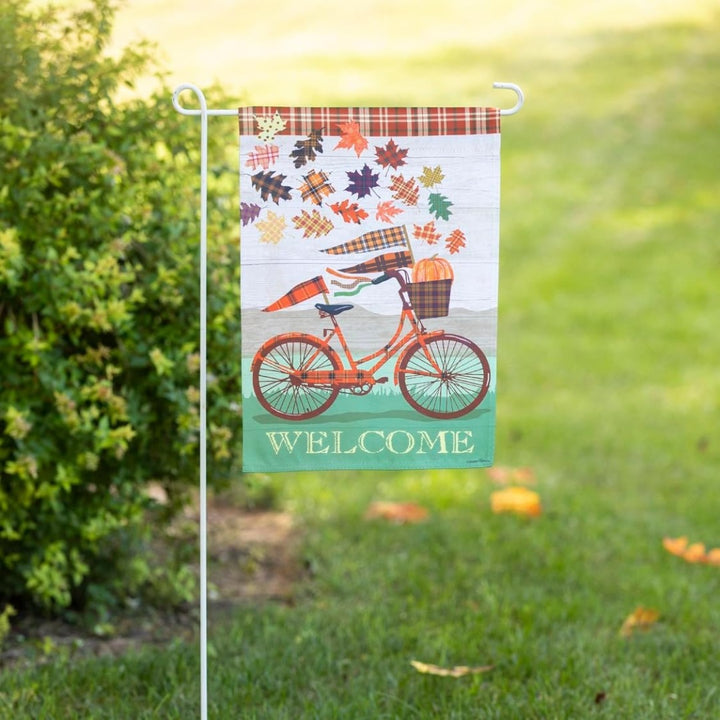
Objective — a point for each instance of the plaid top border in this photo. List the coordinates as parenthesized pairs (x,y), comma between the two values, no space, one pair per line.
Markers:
(379,121)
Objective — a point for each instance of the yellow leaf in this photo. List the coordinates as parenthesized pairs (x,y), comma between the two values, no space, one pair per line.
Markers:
(641,618)
(399,512)
(676,546)
(518,500)
(457,671)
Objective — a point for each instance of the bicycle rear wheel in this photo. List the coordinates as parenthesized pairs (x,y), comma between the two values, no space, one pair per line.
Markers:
(445,377)
(277,376)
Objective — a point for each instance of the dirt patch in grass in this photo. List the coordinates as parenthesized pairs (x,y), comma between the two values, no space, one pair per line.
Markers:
(253,557)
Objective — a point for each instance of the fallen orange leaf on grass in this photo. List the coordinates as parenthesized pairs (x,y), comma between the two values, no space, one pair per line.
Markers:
(676,546)
(518,500)
(399,512)
(641,618)
(457,671)
(694,553)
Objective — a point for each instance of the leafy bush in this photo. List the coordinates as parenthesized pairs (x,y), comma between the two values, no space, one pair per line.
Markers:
(99,307)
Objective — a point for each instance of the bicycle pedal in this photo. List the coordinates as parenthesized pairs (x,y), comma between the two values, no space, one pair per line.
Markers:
(381,380)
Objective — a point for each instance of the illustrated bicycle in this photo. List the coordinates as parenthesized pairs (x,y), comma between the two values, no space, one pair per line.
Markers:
(297,376)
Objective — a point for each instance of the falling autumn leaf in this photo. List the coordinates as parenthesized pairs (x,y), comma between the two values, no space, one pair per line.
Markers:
(350,213)
(271,228)
(350,137)
(431,176)
(455,242)
(391,155)
(517,500)
(386,211)
(641,618)
(269,126)
(457,671)
(398,512)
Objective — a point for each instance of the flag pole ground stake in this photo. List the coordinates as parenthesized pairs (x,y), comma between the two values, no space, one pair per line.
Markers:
(204,112)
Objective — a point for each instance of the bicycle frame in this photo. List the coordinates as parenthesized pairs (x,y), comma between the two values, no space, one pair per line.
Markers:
(355,375)
(391,348)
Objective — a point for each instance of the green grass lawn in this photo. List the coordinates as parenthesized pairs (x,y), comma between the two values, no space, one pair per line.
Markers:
(608,387)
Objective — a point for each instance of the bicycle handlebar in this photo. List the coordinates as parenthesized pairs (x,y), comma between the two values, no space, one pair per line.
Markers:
(400,275)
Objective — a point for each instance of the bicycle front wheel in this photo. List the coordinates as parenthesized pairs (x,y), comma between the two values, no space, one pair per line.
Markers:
(446,376)
(277,376)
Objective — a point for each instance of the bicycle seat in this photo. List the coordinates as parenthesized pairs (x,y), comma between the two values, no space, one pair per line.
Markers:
(333,309)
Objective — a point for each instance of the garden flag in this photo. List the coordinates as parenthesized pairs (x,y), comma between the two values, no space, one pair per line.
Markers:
(369,258)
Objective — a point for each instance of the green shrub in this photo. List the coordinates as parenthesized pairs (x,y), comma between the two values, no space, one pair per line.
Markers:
(99,307)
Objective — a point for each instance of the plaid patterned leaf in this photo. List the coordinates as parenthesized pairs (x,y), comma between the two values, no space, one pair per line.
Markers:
(362,181)
(440,206)
(269,126)
(406,191)
(264,156)
(317,185)
(350,213)
(386,211)
(313,224)
(305,150)
(455,241)
(271,228)
(427,233)
(431,176)
(249,212)
(351,137)
(270,185)
(391,155)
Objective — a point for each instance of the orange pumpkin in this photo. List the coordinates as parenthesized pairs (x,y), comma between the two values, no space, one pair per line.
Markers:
(432,268)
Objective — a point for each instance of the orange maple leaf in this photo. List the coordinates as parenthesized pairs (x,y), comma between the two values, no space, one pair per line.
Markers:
(386,211)
(406,191)
(713,557)
(427,232)
(351,137)
(399,512)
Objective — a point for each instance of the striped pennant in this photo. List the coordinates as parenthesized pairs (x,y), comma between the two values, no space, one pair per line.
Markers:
(302,291)
(371,241)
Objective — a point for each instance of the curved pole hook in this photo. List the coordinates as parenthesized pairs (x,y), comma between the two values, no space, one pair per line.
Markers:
(520,96)
(198,93)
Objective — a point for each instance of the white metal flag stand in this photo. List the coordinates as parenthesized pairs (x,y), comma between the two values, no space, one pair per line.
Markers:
(204,112)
